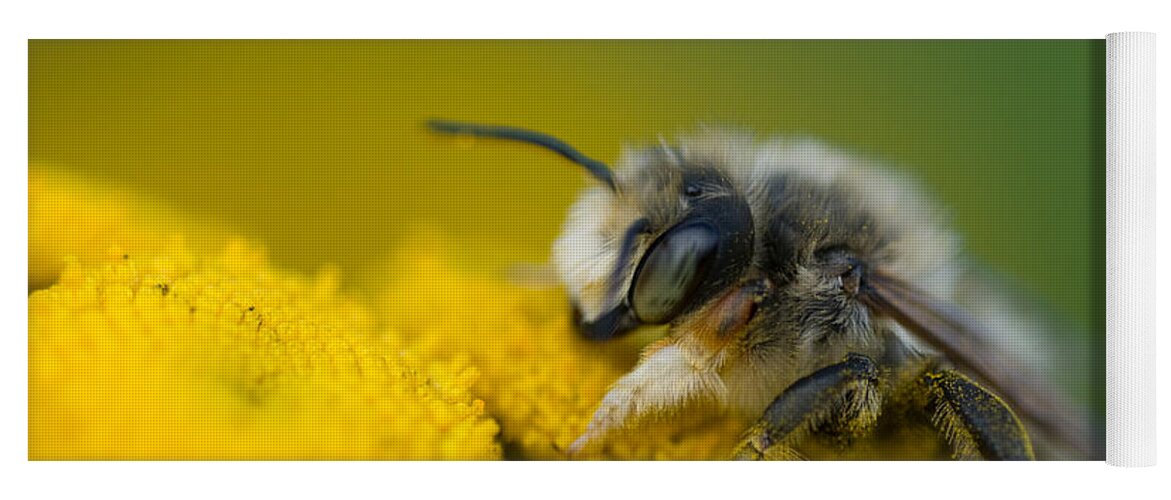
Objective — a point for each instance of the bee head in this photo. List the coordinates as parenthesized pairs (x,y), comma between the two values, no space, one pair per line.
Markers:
(673,236)
(656,241)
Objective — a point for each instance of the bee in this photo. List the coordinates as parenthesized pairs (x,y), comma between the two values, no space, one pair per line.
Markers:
(813,290)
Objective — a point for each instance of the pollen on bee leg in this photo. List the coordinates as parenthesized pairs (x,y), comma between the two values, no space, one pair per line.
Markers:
(665,380)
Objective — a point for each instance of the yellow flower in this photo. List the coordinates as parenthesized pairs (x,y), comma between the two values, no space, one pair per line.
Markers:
(540,379)
(147,345)
(166,358)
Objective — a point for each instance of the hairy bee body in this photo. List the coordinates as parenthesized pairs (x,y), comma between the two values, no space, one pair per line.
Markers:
(804,197)
(807,287)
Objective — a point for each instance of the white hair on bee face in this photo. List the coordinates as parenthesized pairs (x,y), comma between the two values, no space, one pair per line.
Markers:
(587,251)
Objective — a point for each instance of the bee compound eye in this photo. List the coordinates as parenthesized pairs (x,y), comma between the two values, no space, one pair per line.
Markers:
(672,270)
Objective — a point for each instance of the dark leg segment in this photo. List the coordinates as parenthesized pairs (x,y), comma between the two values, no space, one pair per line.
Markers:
(974,421)
(844,396)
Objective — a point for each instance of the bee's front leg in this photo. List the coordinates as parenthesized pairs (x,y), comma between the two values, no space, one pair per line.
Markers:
(844,395)
(974,421)
(670,374)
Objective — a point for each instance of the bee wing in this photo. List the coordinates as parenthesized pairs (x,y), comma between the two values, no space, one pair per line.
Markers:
(965,343)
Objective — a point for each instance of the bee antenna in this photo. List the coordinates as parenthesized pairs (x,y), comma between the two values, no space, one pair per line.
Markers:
(599,170)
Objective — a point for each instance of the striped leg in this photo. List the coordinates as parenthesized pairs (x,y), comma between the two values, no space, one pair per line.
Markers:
(974,421)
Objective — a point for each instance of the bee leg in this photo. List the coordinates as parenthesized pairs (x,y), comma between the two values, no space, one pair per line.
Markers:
(975,422)
(844,396)
(668,377)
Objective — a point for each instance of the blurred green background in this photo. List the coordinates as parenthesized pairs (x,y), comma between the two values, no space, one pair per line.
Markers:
(317,147)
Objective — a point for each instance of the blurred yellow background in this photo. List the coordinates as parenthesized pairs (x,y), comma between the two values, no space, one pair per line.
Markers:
(318,150)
